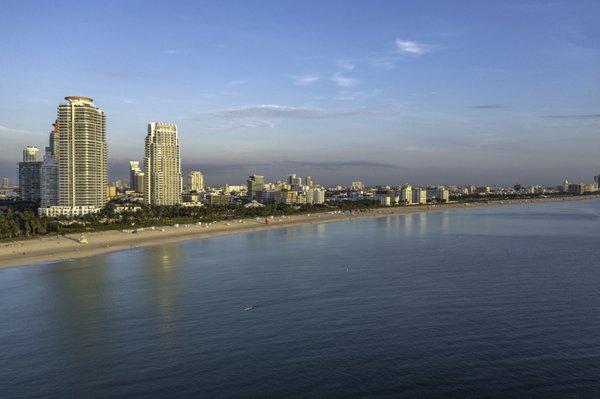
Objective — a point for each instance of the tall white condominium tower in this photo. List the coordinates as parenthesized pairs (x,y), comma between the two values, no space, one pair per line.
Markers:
(195,181)
(162,165)
(82,154)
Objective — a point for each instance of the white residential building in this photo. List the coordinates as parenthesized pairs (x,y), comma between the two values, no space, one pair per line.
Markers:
(162,165)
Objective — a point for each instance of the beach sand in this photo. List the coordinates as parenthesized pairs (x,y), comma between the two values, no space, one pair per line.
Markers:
(53,248)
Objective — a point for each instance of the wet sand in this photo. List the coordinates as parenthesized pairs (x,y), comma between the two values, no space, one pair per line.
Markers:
(53,248)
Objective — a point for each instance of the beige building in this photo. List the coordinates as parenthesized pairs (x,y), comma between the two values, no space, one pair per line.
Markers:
(81,153)
(195,181)
(162,165)
(136,177)
(406,194)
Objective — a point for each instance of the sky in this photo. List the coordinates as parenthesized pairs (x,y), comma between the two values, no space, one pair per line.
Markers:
(387,92)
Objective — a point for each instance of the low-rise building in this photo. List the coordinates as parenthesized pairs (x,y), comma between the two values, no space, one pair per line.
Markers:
(67,211)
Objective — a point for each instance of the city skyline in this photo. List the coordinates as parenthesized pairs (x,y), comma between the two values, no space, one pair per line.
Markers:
(428,94)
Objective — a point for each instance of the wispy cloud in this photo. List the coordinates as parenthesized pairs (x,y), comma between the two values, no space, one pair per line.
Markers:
(173,51)
(343,81)
(488,106)
(240,125)
(332,165)
(233,83)
(346,64)
(573,116)
(305,80)
(282,111)
(347,95)
(10,131)
(410,47)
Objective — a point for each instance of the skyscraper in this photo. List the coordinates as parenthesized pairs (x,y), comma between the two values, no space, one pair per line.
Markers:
(29,174)
(31,154)
(255,184)
(80,137)
(49,174)
(162,165)
(136,177)
(308,181)
(195,181)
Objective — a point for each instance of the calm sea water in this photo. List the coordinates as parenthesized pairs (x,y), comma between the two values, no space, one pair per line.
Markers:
(495,302)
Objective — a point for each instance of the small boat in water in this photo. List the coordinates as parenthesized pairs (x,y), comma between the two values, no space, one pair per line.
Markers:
(248,308)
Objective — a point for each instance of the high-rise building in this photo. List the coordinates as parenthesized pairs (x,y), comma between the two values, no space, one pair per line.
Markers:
(357,185)
(419,196)
(406,194)
(5,182)
(29,174)
(255,185)
(162,165)
(136,177)
(308,181)
(49,175)
(31,154)
(81,152)
(195,181)
(597,181)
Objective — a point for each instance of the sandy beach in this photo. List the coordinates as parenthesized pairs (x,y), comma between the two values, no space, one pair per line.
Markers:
(53,248)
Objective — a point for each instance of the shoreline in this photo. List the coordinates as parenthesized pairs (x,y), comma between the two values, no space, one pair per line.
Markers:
(48,249)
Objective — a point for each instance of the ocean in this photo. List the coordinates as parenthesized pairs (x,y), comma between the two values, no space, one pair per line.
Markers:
(501,301)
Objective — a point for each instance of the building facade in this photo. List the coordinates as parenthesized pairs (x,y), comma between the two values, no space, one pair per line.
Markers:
(162,165)
(136,177)
(30,175)
(195,181)
(255,184)
(82,154)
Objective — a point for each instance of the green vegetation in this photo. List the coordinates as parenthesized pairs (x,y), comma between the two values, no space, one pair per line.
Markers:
(19,220)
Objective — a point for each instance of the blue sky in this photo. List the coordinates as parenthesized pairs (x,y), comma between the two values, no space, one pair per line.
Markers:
(425,92)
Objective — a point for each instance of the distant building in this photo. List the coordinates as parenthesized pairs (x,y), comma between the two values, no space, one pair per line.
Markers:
(318,196)
(419,196)
(111,192)
(30,175)
(136,177)
(255,184)
(162,165)
(443,194)
(286,197)
(31,154)
(220,199)
(5,182)
(308,181)
(576,189)
(406,194)
(195,181)
(67,211)
(49,176)
(357,185)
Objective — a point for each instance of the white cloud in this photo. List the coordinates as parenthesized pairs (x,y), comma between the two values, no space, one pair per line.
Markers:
(347,65)
(343,81)
(172,52)
(305,80)
(408,46)
(346,95)
(234,83)
(283,111)
(244,124)
(10,130)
